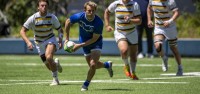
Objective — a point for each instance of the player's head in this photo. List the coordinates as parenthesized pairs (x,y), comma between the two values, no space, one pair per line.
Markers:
(43,6)
(90,8)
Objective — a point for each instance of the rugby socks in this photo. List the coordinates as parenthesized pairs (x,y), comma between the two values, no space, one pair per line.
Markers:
(180,66)
(106,65)
(55,74)
(86,83)
(125,61)
(132,66)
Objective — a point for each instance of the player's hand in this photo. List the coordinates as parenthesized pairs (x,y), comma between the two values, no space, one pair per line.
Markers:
(66,41)
(30,46)
(109,28)
(127,18)
(150,24)
(76,47)
(166,24)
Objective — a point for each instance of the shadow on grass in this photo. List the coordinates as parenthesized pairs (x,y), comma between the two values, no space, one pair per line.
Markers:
(114,89)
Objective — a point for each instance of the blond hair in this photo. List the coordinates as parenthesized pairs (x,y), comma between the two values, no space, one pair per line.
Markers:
(91,4)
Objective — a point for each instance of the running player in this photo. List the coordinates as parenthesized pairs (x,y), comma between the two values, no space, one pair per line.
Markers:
(165,14)
(42,23)
(127,15)
(90,38)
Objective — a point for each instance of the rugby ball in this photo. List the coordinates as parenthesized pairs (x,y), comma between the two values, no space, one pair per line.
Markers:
(68,47)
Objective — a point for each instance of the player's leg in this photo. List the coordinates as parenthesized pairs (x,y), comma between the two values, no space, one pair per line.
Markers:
(107,64)
(50,49)
(92,60)
(158,42)
(123,48)
(140,47)
(133,60)
(171,33)
(43,58)
(132,39)
(174,49)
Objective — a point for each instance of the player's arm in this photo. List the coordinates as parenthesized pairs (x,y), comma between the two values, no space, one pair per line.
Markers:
(25,38)
(60,37)
(94,38)
(67,28)
(149,15)
(173,18)
(175,15)
(136,20)
(107,20)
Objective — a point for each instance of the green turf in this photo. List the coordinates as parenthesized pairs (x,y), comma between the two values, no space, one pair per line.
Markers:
(25,74)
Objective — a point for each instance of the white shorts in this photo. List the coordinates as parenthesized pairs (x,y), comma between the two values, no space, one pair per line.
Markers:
(169,33)
(41,47)
(132,37)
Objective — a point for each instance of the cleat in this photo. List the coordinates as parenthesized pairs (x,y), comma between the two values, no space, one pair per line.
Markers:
(180,72)
(134,76)
(140,55)
(59,67)
(127,71)
(165,64)
(84,88)
(55,82)
(110,71)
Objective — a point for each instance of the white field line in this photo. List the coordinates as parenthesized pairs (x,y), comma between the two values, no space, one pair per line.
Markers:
(79,64)
(121,81)
(189,74)
(125,81)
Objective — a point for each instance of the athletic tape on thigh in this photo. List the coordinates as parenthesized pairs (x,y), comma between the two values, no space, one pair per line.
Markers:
(43,57)
(172,42)
(160,45)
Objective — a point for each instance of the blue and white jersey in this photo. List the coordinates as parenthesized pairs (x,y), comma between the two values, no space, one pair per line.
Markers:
(87,28)
(162,10)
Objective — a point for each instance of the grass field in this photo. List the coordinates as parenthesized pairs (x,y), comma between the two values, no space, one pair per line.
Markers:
(25,74)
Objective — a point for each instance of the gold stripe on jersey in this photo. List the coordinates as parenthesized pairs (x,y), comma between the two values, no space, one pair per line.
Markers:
(51,34)
(126,30)
(159,7)
(42,18)
(124,24)
(43,26)
(41,39)
(124,12)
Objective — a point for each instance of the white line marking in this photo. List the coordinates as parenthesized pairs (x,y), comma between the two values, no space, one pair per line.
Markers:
(79,64)
(184,74)
(121,81)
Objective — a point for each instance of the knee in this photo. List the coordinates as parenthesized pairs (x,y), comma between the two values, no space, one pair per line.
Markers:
(124,51)
(158,45)
(93,66)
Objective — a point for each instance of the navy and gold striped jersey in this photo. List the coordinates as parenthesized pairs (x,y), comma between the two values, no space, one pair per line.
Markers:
(130,9)
(162,10)
(42,26)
